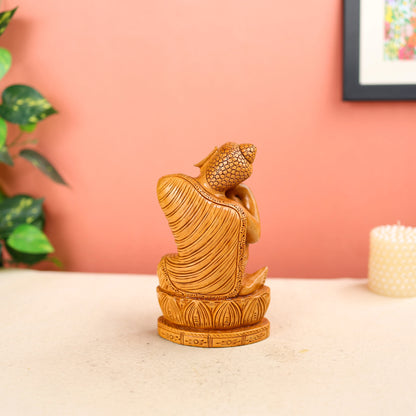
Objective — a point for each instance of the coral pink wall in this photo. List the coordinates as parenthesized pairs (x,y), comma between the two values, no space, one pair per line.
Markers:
(146,88)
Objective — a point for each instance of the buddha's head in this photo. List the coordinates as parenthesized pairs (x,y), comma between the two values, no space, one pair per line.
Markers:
(228,166)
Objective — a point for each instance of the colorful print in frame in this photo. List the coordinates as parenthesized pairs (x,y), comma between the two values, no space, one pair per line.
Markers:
(379,56)
(400,30)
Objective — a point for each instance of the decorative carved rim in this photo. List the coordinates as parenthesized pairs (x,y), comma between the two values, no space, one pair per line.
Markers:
(211,338)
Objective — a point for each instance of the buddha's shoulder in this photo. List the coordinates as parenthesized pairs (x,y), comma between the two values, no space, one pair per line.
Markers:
(170,182)
(182,187)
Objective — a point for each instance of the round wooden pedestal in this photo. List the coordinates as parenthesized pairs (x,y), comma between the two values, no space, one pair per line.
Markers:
(212,338)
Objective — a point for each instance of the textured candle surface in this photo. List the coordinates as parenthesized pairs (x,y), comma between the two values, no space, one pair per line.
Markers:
(392,264)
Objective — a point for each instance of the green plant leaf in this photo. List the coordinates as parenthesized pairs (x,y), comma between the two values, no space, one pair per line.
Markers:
(1,255)
(28,128)
(5,18)
(20,209)
(29,239)
(24,105)
(56,262)
(5,156)
(42,164)
(29,259)
(5,62)
(39,222)
(3,195)
(3,132)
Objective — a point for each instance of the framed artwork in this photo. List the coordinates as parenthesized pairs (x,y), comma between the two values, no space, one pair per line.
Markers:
(379,50)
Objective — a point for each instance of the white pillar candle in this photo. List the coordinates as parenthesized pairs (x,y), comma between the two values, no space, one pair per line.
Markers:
(392,265)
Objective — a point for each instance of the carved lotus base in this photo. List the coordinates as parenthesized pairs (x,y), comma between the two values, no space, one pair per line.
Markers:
(212,338)
(199,313)
(208,323)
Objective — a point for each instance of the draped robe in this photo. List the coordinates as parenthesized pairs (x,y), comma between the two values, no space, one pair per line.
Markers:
(210,234)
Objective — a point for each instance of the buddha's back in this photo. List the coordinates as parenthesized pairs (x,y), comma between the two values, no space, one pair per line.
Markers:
(210,234)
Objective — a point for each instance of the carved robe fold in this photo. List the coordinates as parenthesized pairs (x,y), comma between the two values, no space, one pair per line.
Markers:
(210,234)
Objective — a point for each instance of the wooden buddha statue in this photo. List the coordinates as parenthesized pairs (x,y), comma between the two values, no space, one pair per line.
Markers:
(207,298)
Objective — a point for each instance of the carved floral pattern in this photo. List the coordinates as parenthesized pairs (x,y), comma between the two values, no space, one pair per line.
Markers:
(214,314)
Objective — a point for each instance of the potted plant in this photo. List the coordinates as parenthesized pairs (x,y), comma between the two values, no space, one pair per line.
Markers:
(22,217)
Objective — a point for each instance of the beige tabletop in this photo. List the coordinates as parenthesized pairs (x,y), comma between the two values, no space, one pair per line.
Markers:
(86,344)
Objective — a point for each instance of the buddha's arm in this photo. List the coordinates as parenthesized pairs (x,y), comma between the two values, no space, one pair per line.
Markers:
(243,196)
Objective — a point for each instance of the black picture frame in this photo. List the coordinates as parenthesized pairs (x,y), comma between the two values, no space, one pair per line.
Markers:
(352,89)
